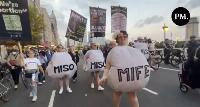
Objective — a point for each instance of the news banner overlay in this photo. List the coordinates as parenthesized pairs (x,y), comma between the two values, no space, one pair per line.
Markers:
(180,16)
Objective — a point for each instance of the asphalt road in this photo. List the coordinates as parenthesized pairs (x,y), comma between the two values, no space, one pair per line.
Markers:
(163,91)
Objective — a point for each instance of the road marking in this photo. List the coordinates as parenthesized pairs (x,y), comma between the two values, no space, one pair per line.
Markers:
(169,69)
(52,98)
(152,92)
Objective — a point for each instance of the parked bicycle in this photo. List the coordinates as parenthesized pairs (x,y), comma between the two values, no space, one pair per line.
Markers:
(177,57)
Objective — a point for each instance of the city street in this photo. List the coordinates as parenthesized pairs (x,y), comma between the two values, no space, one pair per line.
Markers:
(162,91)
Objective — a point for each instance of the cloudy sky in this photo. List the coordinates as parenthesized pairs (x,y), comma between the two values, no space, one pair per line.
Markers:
(145,17)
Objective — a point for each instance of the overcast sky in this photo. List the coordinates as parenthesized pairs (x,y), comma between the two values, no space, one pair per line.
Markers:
(145,17)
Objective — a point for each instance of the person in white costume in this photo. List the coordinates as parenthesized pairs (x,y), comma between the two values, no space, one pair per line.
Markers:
(94,60)
(63,68)
(122,72)
(142,46)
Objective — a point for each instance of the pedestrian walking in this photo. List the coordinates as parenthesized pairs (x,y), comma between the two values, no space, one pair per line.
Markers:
(94,63)
(62,67)
(75,58)
(14,63)
(122,65)
(43,60)
(32,67)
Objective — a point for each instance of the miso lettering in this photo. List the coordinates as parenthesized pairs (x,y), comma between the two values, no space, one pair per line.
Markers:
(63,68)
(96,65)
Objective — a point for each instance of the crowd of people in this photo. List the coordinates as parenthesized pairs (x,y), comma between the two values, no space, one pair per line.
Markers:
(96,59)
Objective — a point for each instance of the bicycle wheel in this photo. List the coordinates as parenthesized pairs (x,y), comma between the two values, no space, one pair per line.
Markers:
(24,80)
(175,61)
(7,82)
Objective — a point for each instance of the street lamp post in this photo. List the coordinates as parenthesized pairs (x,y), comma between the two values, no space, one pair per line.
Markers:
(165,29)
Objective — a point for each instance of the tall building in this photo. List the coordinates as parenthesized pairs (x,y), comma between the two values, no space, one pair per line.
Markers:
(54,28)
(50,32)
(47,36)
(192,28)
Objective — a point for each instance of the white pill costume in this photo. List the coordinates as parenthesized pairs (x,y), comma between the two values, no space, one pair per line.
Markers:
(94,60)
(61,65)
(129,70)
(143,47)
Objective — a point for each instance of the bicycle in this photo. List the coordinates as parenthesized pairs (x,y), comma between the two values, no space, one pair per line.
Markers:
(177,57)
(6,83)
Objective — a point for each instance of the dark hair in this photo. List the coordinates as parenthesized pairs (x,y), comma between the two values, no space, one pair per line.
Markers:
(149,41)
(123,32)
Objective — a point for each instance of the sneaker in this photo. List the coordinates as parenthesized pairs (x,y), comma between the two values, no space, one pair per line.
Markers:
(31,94)
(61,91)
(100,88)
(16,86)
(43,81)
(92,85)
(39,83)
(69,90)
(34,99)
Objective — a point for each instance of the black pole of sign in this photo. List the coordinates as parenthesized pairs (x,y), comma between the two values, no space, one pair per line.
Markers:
(68,36)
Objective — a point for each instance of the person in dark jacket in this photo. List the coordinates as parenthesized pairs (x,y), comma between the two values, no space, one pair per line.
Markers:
(49,54)
(167,50)
(85,49)
(75,58)
(191,46)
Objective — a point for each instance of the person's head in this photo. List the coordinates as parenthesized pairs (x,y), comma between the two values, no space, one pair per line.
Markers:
(42,53)
(149,41)
(31,53)
(112,44)
(93,46)
(121,38)
(145,39)
(140,39)
(59,48)
(71,49)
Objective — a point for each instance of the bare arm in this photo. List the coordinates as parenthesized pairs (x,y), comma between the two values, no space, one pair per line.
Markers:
(106,70)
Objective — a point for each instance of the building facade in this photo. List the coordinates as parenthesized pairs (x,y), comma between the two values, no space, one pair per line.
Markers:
(50,32)
(192,28)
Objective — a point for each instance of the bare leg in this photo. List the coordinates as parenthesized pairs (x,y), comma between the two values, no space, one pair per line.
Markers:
(93,76)
(133,99)
(116,98)
(97,78)
(61,82)
(66,79)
